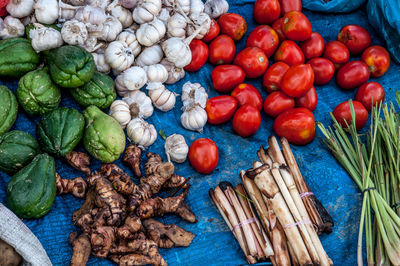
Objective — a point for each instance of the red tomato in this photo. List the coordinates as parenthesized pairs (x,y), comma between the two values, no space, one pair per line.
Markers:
(203,155)
(266,11)
(297,125)
(377,59)
(3,3)
(277,26)
(355,37)
(342,113)
(253,61)
(313,47)
(298,80)
(308,100)
(337,52)
(248,94)
(226,77)
(290,53)
(232,25)
(222,50)
(213,32)
(220,109)
(3,11)
(290,5)
(263,37)
(370,94)
(273,76)
(199,55)
(277,102)
(296,26)
(246,121)
(324,70)
(352,75)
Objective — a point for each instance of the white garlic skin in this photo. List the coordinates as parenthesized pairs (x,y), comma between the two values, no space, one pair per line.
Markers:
(100,62)
(119,56)
(46,11)
(66,12)
(146,10)
(122,14)
(142,102)
(92,17)
(93,45)
(129,37)
(156,73)
(43,38)
(194,118)
(11,27)
(177,52)
(201,20)
(20,8)
(151,33)
(177,26)
(162,98)
(128,3)
(98,3)
(150,56)
(119,110)
(194,93)
(196,7)
(164,16)
(74,32)
(134,78)
(176,148)
(175,74)
(215,8)
(141,133)
(111,28)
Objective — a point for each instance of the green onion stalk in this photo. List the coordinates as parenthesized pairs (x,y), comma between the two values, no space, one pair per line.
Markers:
(373,161)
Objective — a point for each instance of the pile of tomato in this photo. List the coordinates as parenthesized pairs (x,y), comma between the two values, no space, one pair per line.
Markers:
(3,10)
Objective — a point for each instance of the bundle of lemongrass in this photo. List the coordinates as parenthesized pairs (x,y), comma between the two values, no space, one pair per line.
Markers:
(373,162)
(286,209)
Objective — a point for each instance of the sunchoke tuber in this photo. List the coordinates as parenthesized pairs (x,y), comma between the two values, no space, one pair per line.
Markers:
(132,225)
(76,186)
(132,159)
(79,160)
(102,238)
(81,249)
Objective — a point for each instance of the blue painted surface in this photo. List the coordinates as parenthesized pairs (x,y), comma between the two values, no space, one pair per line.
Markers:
(214,244)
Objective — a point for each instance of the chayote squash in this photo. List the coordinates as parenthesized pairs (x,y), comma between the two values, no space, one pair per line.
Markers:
(104,138)
(17,149)
(8,109)
(31,191)
(17,57)
(98,91)
(60,130)
(36,93)
(70,66)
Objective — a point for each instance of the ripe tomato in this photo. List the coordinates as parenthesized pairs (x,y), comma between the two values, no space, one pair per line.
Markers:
(290,53)
(290,5)
(324,70)
(232,25)
(3,11)
(253,61)
(203,155)
(370,94)
(342,113)
(213,32)
(273,76)
(277,26)
(355,37)
(277,102)
(377,59)
(247,94)
(308,100)
(226,77)
(297,125)
(220,109)
(296,26)
(352,75)
(337,52)
(222,50)
(314,46)
(263,37)
(246,121)
(266,11)
(199,55)
(298,80)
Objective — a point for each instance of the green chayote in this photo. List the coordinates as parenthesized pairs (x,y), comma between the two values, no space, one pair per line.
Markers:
(8,109)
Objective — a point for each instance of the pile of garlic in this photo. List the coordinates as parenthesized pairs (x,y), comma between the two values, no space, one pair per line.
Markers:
(194,98)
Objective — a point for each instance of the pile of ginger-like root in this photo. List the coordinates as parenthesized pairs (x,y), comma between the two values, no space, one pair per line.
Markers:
(116,216)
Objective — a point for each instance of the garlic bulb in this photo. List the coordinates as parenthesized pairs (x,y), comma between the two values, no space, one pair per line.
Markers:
(176,148)
(164,16)
(128,3)
(101,64)
(122,14)
(46,11)
(11,27)
(178,5)
(92,17)
(74,32)
(202,21)
(150,56)
(156,73)
(177,51)
(162,98)
(20,8)
(150,33)
(93,45)
(175,74)
(215,8)
(66,12)
(76,2)
(128,36)
(194,93)
(131,79)
(139,104)
(177,26)
(119,110)
(111,28)
(141,133)
(146,10)
(98,3)
(43,38)
(119,56)
(194,118)
(196,7)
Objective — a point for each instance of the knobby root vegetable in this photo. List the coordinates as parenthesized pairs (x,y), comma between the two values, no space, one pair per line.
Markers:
(79,160)
(8,255)
(76,186)
(132,225)
(132,159)
(102,239)
(81,248)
